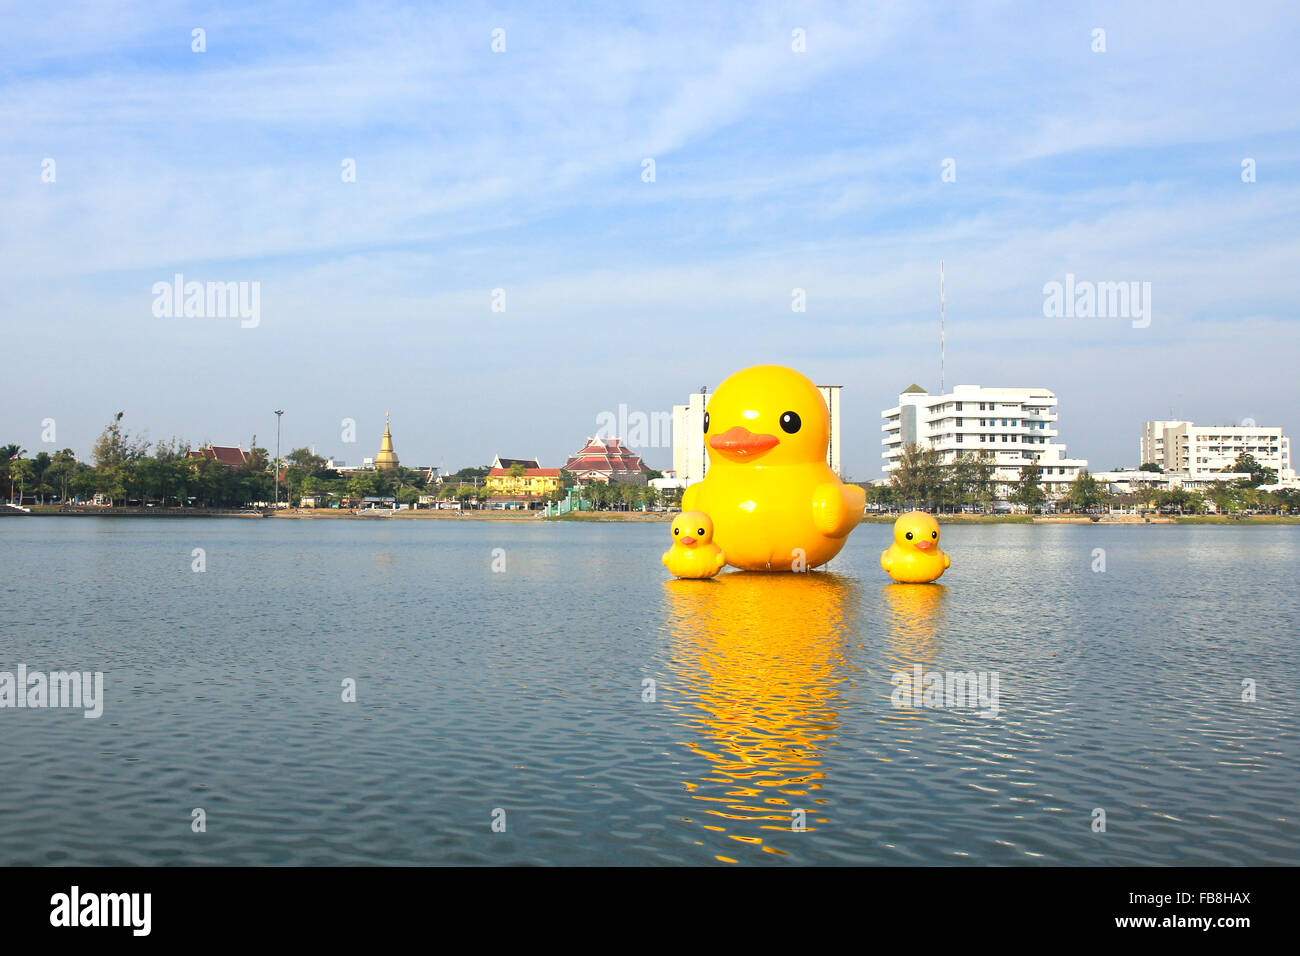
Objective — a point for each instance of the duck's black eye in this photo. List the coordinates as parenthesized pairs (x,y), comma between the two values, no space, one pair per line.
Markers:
(706,423)
(677,530)
(790,422)
(909,536)
(934,534)
(700,532)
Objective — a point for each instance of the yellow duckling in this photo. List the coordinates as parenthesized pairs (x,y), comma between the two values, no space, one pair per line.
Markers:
(775,503)
(693,554)
(915,557)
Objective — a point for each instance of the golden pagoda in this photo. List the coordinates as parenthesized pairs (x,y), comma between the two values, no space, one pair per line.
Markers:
(386,460)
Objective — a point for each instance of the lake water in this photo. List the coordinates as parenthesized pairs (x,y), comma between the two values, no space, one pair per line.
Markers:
(525,691)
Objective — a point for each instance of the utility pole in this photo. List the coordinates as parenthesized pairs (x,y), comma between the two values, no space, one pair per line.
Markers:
(278,413)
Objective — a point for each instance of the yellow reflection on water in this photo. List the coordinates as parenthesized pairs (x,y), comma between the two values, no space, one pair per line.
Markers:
(915,616)
(760,656)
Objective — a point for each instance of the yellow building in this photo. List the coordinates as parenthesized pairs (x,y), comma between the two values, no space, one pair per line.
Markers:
(521,487)
(386,460)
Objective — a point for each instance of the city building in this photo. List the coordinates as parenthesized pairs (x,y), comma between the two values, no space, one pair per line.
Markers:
(669,482)
(527,490)
(386,460)
(1127,481)
(691,457)
(607,459)
(1187,448)
(1017,426)
(232,456)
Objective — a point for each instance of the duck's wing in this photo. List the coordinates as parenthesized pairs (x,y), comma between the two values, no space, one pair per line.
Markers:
(886,562)
(836,509)
(689,496)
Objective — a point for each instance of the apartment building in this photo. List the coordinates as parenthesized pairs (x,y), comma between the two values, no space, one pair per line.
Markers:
(1017,426)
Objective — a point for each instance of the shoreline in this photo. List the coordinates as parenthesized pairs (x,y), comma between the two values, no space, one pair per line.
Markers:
(307,514)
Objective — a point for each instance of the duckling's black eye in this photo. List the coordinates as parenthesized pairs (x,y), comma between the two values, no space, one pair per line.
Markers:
(706,423)
(909,536)
(934,534)
(700,532)
(790,422)
(677,530)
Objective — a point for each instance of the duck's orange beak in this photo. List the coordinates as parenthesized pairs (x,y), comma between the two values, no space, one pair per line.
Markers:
(739,443)
(924,545)
(688,541)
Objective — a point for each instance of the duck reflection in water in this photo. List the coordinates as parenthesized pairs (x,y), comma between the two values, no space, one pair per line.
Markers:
(760,657)
(915,614)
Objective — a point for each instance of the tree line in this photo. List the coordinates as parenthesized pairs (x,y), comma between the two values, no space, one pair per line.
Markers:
(129,470)
(924,480)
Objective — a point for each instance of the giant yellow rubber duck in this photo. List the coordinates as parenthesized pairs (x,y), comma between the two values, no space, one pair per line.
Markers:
(915,556)
(693,553)
(775,503)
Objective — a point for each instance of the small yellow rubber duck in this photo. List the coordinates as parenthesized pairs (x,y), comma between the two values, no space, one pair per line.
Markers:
(693,554)
(915,557)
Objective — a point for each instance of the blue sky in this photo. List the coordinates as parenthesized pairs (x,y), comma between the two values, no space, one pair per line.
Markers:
(522,170)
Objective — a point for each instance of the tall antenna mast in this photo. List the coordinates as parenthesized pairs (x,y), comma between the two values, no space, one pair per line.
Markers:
(942,328)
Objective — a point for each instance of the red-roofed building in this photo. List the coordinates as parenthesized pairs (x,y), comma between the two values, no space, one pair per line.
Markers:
(228,455)
(607,459)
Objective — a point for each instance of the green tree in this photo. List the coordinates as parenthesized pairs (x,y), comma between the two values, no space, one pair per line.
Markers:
(1147,491)
(63,467)
(8,455)
(1151,466)
(1028,491)
(305,460)
(1226,497)
(115,453)
(40,469)
(1086,493)
(1259,474)
(919,476)
(363,484)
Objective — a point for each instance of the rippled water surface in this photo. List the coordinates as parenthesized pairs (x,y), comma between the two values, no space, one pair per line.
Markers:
(619,717)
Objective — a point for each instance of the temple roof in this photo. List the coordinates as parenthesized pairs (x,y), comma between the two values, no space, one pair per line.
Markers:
(528,473)
(606,455)
(232,456)
(500,462)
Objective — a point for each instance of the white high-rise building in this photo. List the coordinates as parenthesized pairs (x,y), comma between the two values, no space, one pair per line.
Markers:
(1189,449)
(1017,426)
(691,457)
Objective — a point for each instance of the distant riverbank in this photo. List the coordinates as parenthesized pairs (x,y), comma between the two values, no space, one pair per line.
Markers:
(334,514)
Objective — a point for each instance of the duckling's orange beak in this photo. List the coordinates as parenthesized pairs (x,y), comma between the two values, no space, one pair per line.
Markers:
(739,443)
(924,545)
(688,541)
